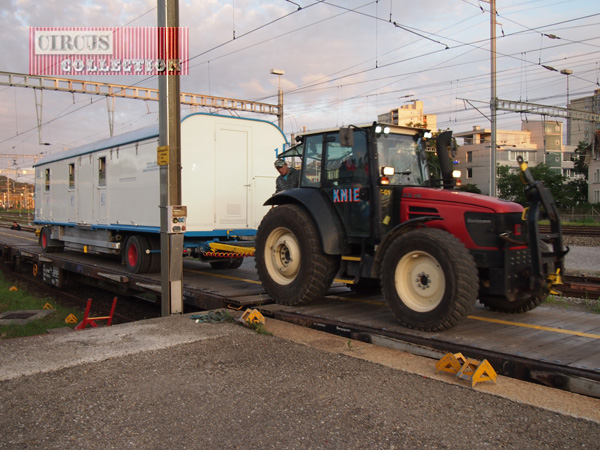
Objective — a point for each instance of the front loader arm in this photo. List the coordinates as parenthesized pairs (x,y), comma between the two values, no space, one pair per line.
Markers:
(542,205)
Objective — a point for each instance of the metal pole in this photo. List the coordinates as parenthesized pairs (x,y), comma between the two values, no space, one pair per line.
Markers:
(171,245)
(280,105)
(493,99)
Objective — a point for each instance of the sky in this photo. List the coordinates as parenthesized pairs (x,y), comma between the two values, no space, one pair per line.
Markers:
(345,62)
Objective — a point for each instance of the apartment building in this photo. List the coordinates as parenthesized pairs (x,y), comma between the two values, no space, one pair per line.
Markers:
(583,130)
(411,113)
(537,142)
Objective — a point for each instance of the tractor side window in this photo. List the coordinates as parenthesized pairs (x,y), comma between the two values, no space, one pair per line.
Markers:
(347,165)
(311,164)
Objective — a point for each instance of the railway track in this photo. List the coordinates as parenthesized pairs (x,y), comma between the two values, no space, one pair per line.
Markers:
(581,286)
(129,309)
(575,230)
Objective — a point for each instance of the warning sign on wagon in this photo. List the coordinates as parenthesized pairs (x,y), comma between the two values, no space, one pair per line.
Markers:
(162,155)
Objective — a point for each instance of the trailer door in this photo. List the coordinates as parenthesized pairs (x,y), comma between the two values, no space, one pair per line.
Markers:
(85,189)
(231,183)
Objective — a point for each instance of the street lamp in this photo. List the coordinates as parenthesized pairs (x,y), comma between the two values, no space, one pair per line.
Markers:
(567,72)
(279,72)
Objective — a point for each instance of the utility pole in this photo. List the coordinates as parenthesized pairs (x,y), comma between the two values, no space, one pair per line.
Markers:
(279,72)
(493,97)
(171,245)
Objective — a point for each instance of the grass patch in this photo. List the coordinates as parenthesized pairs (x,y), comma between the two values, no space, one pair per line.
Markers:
(568,303)
(20,299)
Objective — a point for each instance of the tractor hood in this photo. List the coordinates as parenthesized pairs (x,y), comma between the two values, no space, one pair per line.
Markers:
(462,200)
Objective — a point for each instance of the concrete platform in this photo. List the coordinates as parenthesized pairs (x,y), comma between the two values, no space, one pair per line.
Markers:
(175,383)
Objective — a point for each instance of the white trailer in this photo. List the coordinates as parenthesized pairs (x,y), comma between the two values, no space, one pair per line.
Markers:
(104,197)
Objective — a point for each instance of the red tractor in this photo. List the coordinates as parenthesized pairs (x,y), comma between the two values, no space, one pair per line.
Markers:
(367,213)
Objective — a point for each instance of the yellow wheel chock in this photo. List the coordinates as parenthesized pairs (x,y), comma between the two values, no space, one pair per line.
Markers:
(466,368)
(71,319)
(450,363)
(251,316)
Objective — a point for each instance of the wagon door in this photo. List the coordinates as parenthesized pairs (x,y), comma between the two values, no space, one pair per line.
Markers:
(232,188)
(101,193)
(72,192)
(85,189)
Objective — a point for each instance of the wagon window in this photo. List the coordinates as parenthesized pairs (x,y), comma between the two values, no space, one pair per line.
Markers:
(72,176)
(102,171)
(47,180)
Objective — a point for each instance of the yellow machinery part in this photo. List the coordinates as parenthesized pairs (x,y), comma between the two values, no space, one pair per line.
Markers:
(242,251)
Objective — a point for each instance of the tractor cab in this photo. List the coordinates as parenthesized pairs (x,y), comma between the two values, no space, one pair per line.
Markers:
(351,166)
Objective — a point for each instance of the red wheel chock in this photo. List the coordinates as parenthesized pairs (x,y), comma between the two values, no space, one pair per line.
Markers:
(91,321)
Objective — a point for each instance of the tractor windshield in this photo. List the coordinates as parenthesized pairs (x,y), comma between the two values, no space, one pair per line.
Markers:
(406,155)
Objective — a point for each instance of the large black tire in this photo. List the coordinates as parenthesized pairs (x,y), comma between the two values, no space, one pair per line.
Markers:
(289,257)
(48,244)
(154,265)
(221,264)
(236,263)
(429,279)
(230,263)
(136,258)
(502,304)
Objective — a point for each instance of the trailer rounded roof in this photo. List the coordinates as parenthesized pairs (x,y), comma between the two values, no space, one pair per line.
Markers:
(115,141)
(131,137)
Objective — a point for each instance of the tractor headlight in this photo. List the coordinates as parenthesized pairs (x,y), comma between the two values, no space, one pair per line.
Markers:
(388,171)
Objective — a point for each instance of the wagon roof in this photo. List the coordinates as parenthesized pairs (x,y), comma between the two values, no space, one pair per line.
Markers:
(131,137)
(112,142)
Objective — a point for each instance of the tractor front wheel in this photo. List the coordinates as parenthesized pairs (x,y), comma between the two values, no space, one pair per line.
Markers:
(429,279)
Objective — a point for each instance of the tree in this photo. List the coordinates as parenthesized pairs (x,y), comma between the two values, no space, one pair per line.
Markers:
(577,188)
(469,188)
(580,167)
(511,187)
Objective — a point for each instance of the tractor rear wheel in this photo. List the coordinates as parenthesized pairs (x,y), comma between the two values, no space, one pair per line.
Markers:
(429,279)
(289,258)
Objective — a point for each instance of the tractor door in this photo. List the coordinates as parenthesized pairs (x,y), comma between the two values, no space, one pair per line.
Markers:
(346,181)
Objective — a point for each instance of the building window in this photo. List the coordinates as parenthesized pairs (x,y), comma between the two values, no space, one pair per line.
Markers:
(47,180)
(527,156)
(469,157)
(469,173)
(72,176)
(102,171)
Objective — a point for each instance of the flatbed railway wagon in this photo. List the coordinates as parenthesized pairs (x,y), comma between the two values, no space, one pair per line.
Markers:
(104,197)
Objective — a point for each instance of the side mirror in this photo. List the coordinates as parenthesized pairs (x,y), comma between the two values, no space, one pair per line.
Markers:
(346,137)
